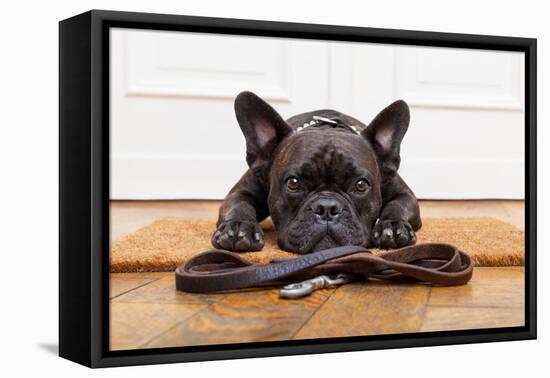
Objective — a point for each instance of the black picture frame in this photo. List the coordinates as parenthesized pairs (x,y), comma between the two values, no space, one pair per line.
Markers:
(84,186)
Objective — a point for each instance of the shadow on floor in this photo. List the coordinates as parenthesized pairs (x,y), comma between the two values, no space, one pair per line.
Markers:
(52,348)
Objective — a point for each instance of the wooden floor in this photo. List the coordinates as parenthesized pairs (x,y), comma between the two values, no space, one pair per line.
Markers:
(147,311)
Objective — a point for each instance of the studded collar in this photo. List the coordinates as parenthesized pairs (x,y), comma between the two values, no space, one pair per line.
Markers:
(336,123)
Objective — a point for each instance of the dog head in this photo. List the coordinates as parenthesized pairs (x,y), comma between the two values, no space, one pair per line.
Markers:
(324,185)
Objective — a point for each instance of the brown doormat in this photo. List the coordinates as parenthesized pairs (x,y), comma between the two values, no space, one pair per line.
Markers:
(169,242)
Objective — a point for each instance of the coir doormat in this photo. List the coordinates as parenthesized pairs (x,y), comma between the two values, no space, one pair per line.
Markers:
(169,242)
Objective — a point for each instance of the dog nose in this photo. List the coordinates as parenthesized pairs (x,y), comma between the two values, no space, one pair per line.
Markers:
(327,209)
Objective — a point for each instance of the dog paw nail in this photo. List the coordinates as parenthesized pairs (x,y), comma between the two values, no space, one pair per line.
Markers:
(376,234)
(257,236)
(241,234)
(230,233)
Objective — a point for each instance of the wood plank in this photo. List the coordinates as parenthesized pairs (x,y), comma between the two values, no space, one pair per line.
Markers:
(468,208)
(158,316)
(134,324)
(120,285)
(372,308)
(129,216)
(494,298)
(154,275)
(444,318)
(516,213)
(244,317)
(164,291)
(489,287)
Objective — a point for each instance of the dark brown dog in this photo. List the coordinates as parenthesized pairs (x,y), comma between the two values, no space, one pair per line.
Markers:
(325,179)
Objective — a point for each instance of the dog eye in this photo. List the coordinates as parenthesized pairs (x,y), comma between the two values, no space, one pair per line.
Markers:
(362,185)
(293,184)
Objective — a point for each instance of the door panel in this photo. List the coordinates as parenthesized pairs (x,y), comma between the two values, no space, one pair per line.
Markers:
(174,133)
(466,135)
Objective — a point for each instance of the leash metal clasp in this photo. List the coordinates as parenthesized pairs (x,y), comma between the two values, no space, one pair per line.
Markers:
(305,288)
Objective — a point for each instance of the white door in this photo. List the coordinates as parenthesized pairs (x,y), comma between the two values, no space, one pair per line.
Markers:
(174,134)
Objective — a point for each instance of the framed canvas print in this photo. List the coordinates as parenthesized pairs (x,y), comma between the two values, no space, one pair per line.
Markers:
(234,188)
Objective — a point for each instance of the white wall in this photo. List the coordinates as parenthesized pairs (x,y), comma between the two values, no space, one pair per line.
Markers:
(174,133)
(28,148)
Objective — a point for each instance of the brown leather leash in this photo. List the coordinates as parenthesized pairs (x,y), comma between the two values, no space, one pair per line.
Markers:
(218,270)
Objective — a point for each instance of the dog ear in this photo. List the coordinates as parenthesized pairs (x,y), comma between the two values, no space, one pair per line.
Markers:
(386,132)
(263,129)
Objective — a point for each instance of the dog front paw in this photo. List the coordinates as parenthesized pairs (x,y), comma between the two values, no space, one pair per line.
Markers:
(238,236)
(392,234)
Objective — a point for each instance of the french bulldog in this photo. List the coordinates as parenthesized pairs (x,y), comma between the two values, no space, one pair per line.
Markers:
(325,178)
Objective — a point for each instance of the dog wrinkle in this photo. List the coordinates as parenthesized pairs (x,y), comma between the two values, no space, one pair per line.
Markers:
(329,166)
